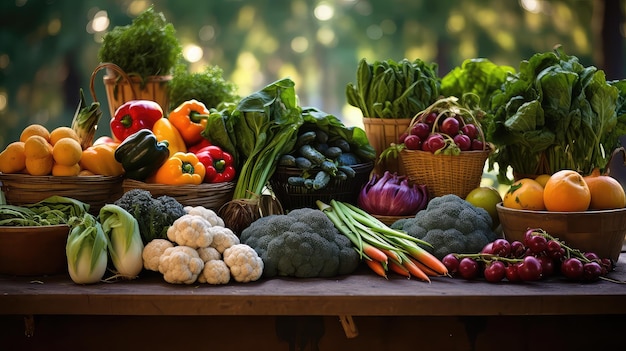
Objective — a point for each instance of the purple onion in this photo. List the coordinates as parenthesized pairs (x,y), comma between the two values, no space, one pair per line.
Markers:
(391,195)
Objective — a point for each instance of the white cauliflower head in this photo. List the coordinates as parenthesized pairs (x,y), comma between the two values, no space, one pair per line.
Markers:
(209,254)
(152,252)
(206,213)
(244,263)
(192,231)
(223,238)
(215,272)
(180,265)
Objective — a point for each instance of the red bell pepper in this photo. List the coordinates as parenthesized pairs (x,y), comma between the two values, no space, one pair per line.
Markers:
(133,116)
(202,144)
(218,164)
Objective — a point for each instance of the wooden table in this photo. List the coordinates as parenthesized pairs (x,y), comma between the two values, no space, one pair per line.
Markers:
(389,314)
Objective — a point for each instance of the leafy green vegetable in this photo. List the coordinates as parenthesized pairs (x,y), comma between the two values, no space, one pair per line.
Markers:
(208,87)
(146,47)
(554,114)
(264,125)
(389,89)
(478,76)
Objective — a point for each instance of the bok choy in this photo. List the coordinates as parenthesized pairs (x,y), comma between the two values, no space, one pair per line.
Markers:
(123,240)
(86,250)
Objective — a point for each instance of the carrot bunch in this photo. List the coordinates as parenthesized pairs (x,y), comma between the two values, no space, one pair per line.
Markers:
(383,248)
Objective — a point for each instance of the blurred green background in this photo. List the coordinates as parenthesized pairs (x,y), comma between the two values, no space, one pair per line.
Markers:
(48,48)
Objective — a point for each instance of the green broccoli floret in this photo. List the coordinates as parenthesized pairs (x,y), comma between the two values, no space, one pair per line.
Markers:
(154,215)
(451,225)
(303,243)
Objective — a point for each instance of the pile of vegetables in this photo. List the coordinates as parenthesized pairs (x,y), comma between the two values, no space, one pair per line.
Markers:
(303,243)
(554,114)
(92,240)
(198,248)
(325,149)
(256,131)
(382,248)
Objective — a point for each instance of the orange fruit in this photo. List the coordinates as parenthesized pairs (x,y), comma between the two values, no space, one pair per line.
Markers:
(566,191)
(37,146)
(67,152)
(41,166)
(59,170)
(63,132)
(542,179)
(524,194)
(606,192)
(34,129)
(13,158)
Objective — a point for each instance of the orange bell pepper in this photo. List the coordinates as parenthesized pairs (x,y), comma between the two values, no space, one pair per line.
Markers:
(163,129)
(190,118)
(100,159)
(180,168)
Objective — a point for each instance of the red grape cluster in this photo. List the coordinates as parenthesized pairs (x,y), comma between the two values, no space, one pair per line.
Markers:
(444,130)
(539,256)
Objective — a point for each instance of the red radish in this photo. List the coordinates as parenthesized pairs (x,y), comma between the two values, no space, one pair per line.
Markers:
(420,129)
(402,137)
(477,144)
(470,130)
(450,126)
(430,118)
(413,142)
(463,142)
(435,142)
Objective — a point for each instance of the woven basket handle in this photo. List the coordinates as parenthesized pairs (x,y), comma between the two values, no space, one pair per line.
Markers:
(117,69)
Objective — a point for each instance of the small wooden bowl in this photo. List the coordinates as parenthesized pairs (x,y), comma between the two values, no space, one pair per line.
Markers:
(30,251)
(599,231)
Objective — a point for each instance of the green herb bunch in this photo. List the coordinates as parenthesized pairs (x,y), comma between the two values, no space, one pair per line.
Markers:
(146,47)
(208,87)
(390,89)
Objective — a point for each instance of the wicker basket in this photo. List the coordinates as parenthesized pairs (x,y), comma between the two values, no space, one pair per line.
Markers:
(294,197)
(445,174)
(381,132)
(96,190)
(122,87)
(209,195)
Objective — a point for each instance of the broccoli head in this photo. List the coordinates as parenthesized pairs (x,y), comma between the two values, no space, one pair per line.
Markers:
(303,243)
(451,225)
(154,215)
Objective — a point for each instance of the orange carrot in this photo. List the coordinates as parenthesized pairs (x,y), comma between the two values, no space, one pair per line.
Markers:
(374,253)
(377,267)
(399,268)
(391,254)
(428,259)
(425,268)
(415,270)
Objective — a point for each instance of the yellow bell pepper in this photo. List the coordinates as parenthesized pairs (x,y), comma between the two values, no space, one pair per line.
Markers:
(190,118)
(163,129)
(100,159)
(181,168)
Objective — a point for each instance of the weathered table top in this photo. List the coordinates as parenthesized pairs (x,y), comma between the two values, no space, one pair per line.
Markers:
(359,294)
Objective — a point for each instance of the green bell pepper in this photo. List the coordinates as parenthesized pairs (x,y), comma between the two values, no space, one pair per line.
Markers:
(141,154)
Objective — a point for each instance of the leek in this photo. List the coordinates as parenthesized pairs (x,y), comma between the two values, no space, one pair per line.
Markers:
(124,240)
(86,250)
